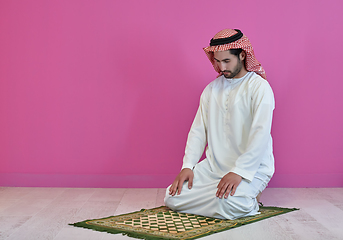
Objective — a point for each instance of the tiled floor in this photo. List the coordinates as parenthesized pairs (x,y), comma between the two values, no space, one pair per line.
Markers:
(44,213)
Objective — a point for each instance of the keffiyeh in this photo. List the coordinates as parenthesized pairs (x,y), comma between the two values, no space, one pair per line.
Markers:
(234,39)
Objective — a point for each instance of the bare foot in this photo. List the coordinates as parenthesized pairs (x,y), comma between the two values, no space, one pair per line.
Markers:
(258,197)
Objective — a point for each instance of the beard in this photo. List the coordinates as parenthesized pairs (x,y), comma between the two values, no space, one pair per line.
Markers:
(232,74)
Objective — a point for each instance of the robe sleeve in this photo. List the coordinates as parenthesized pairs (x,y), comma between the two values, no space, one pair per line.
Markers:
(259,138)
(197,136)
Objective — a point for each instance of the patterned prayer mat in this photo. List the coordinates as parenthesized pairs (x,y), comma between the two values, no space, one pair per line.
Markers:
(163,223)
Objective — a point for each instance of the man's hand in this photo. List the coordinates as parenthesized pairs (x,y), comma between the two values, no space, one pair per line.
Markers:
(228,184)
(184,175)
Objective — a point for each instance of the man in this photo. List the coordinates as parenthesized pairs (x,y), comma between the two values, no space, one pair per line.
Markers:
(234,121)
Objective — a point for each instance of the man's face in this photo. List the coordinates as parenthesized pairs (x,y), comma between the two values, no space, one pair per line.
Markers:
(228,64)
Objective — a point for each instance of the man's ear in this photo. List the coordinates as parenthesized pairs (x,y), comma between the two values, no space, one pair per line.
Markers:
(242,55)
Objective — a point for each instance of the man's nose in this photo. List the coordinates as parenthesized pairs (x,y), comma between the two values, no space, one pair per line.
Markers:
(222,66)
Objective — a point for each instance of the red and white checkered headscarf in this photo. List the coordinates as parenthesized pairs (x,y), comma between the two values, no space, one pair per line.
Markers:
(251,63)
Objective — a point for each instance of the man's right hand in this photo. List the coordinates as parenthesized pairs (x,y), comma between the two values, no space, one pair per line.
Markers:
(186,174)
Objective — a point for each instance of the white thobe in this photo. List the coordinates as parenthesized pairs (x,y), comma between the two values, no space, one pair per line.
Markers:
(234,120)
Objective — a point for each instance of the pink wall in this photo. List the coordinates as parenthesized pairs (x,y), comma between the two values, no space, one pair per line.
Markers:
(102,93)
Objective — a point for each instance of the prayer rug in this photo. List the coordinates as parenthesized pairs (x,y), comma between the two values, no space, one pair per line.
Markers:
(163,223)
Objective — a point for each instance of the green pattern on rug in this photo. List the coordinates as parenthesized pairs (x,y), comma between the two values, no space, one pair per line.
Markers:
(163,223)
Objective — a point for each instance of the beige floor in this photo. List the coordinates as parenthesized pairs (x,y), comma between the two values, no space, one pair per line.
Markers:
(44,213)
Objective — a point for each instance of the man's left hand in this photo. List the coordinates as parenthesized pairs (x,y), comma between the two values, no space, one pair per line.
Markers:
(227,184)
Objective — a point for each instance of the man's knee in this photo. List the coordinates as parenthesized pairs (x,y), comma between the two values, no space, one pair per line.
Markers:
(240,206)
(169,200)
(167,196)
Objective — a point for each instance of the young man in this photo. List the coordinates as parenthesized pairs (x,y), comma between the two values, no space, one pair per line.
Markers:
(234,120)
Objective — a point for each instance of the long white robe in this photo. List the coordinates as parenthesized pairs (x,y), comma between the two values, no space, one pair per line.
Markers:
(234,120)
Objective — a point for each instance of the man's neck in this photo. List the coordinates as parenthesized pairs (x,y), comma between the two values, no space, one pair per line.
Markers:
(241,73)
